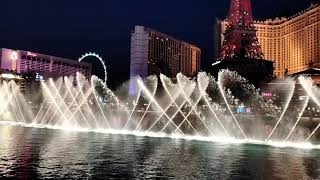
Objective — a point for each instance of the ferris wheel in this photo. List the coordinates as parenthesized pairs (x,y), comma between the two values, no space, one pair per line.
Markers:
(95,55)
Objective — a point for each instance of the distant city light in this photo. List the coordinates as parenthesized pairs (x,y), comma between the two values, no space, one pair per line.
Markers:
(39,77)
(243,109)
(9,76)
(302,97)
(267,94)
(216,63)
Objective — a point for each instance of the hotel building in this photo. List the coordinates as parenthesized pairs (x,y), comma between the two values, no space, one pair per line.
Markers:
(46,66)
(153,52)
(292,43)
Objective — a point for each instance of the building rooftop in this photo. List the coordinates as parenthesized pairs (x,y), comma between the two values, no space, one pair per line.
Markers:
(62,59)
(281,20)
(310,71)
(170,37)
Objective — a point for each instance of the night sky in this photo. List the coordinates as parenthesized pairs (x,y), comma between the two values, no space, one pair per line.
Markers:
(69,28)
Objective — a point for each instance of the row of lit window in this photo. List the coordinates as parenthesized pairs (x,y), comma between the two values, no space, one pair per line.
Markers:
(47,61)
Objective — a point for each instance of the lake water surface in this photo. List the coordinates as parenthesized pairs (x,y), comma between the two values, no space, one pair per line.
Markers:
(30,153)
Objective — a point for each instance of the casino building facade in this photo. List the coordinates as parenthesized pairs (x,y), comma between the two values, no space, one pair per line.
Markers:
(21,62)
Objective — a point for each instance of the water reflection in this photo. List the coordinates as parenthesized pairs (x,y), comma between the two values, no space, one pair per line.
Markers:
(42,153)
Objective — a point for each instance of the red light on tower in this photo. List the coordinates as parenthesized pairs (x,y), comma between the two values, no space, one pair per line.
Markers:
(240,12)
(240,38)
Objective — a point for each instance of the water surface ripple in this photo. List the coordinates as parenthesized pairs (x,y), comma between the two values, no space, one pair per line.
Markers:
(31,153)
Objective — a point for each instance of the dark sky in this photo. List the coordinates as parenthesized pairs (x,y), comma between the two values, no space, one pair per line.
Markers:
(69,28)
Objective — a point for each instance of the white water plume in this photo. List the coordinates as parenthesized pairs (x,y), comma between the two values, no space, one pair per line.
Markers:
(178,108)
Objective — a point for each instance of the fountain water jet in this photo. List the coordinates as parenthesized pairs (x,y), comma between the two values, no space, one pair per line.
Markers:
(51,105)
(65,107)
(78,76)
(163,79)
(288,101)
(299,118)
(307,84)
(155,82)
(143,87)
(68,85)
(226,101)
(47,90)
(203,78)
(93,78)
(179,78)
(134,108)
(16,99)
(77,104)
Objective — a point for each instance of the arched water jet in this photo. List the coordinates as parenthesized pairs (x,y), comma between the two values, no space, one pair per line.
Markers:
(16,99)
(83,102)
(72,110)
(203,81)
(220,85)
(85,99)
(93,78)
(180,78)
(66,111)
(134,108)
(51,104)
(288,101)
(154,80)
(163,79)
(56,110)
(9,98)
(164,112)
(142,86)
(47,90)
(299,118)
(68,85)
(9,101)
(307,84)
(98,86)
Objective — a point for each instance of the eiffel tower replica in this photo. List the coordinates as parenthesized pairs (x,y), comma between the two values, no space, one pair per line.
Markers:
(240,49)
(240,37)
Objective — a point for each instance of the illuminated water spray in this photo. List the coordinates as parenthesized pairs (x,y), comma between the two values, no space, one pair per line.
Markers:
(287,103)
(177,109)
(312,91)
(220,85)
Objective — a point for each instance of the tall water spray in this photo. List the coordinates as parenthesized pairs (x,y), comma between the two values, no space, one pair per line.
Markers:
(181,107)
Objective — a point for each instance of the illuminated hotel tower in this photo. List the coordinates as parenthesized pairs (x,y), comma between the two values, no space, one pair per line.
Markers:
(153,52)
(240,40)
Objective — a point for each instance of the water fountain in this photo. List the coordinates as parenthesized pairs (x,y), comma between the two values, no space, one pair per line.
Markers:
(194,109)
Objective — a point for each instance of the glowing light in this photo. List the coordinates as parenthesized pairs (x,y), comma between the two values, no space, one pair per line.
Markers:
(216,63)
(14,56)
(267,94)
(31,54)
(216,139)
(77,107)
(10,76)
